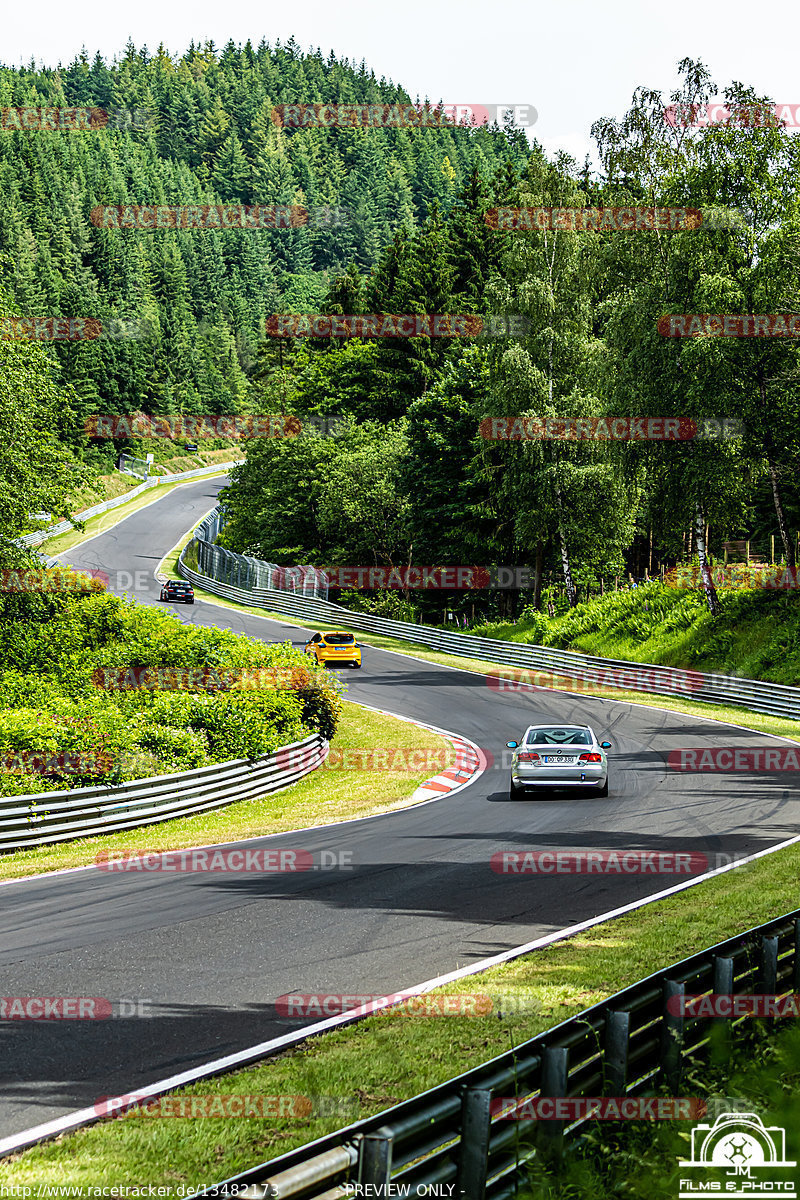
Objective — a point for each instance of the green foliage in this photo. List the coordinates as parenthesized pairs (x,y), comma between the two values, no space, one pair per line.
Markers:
(37,467)
(756,635)
(64,722)
(181,748)
(208,138)
(246,725)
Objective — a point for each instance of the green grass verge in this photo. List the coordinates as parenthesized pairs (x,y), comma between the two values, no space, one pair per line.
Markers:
(754,635)
(387,1058)
(107,520)
(326,795)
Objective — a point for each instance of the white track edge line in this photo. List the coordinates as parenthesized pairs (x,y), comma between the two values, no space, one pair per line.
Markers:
(85,1116)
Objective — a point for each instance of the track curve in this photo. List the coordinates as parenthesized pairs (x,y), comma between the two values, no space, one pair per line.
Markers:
(213,952)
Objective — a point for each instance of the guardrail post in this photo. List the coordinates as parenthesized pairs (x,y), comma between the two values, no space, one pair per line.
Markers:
(375,1158)
(796,971)
(616,1052)
(473,1158)
(555,1060)
(672,1023)
(721,1026)
(768,974)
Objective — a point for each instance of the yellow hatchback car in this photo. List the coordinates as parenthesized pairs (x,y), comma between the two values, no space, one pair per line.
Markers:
(339,649)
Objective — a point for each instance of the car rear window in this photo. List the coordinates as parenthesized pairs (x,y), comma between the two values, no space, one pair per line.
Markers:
(339,639)
(558,737)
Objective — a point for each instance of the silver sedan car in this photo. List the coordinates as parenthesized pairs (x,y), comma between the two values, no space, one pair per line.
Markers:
(559,756)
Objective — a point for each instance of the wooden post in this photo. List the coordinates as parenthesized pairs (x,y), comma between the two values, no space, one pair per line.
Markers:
(772,549)
(747,552)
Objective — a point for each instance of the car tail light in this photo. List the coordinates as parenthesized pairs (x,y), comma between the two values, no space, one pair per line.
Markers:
(591,758)
(527,756)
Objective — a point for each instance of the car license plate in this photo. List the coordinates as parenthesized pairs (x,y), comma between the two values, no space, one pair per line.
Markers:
(557,759)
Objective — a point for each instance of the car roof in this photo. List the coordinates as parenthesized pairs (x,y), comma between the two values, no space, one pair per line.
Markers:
(341,632)
(560,725)
(555,725)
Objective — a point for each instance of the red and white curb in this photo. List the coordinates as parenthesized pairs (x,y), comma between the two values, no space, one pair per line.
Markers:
(470,762)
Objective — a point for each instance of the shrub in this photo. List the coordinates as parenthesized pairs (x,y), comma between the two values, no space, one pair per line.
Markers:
(53,643)
(249,724)
(178,749)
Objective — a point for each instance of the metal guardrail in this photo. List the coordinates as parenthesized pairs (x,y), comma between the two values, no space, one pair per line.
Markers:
(628,1045)
(42,535)
(579,669)
(251,574)
(58,816)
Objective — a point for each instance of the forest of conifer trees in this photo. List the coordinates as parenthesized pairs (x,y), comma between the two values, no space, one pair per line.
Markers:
(399,223)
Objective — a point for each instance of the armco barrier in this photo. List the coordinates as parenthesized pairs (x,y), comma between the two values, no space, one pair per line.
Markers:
(754,694)
(42,535)
(58,816)
(629,1045)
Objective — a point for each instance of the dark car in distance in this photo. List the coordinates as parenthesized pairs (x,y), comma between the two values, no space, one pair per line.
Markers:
(178,590)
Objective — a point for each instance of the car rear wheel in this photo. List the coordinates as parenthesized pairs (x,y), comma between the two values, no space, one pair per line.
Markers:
(604,789)
(514,791)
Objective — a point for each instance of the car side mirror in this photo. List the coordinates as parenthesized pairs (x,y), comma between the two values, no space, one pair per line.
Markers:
(512,745)
(606,745)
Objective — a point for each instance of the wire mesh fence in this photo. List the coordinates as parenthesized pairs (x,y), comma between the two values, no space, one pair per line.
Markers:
(249,574)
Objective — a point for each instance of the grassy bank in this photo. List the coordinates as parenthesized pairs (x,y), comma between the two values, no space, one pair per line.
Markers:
(756,635)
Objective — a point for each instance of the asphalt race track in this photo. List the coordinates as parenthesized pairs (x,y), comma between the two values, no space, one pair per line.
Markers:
(212,952)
